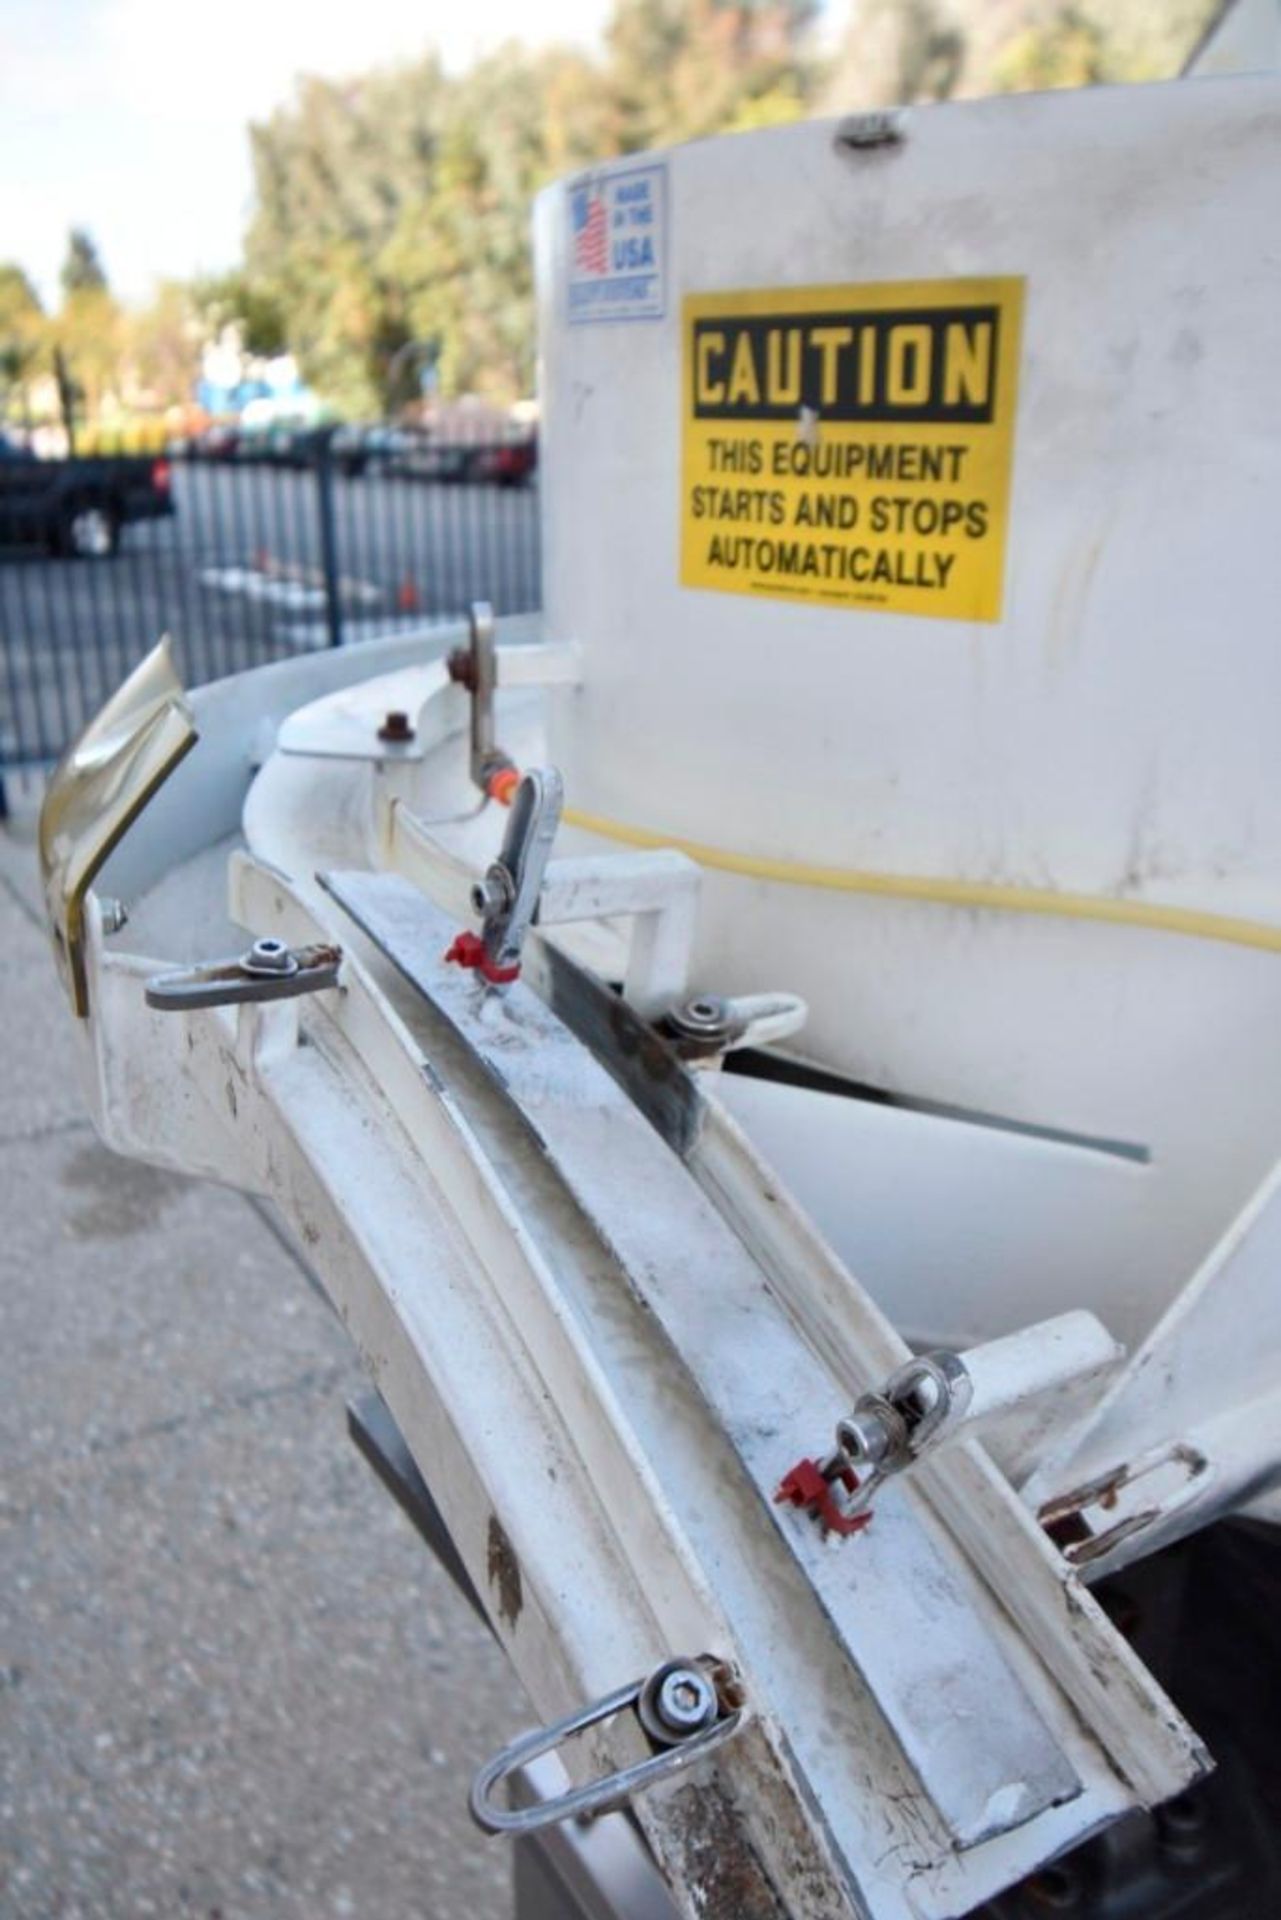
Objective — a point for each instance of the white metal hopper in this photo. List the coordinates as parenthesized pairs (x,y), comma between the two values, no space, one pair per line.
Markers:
(615,1295)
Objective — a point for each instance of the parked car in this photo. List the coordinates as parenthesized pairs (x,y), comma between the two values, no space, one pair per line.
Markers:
(281,443)
(504,463)
(78,507)
(509,464)
(361,449)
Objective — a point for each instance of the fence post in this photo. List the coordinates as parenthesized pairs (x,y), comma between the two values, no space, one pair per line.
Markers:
(328,536)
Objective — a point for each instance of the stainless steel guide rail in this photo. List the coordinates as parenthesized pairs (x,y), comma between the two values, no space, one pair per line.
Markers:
(902,1611)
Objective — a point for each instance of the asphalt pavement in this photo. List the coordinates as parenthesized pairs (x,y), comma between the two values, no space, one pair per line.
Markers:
(233,1683)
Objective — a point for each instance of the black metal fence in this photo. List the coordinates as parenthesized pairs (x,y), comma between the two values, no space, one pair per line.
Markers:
(268,548)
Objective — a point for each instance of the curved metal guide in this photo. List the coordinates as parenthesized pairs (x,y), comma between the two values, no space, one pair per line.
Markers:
(924,1636)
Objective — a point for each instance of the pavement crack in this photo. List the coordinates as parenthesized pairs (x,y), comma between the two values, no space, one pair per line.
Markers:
(241,1401)
(210,1413)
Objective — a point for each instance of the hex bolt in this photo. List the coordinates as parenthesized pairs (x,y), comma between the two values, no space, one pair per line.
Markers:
(461,668)
(865,1438)
(270,956)
(396,728)
(686,1700)
(114,915)
(677,1701)
(489,895)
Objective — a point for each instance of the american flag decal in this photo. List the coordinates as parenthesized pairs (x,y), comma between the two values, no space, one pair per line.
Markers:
(613,240)
(590,234)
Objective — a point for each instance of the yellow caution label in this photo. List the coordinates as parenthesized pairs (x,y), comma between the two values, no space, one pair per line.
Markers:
(851,446)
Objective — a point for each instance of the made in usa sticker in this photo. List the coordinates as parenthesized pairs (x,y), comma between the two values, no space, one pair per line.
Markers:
(617,244)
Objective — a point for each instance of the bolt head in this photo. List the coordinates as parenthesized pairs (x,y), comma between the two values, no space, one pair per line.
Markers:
(686,1700)
(489,895)
(863,1439)
(269,955)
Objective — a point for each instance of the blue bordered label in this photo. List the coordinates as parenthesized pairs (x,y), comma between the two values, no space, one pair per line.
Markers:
(618,244)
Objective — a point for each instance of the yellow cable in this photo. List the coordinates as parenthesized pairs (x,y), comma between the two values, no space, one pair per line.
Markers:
(948,893)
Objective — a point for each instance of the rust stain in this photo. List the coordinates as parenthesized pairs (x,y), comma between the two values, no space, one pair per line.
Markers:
(503,1569)
(718,1861)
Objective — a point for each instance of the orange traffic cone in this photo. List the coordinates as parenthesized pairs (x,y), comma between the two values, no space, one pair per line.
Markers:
(407,595)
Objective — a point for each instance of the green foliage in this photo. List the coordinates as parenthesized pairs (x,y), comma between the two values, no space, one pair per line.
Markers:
(162,347)
(897,51)
(392,218)
(22,329)
(82,270)
(682,69)
(89,331)
(1069,50)
(235,299)
(392,211)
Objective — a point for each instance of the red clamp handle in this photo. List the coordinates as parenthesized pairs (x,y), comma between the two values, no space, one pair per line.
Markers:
(806,1485)
(468,950)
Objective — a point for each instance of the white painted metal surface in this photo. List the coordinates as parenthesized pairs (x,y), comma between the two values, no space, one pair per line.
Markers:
(611,1302)
(621,1414)
(1110,735)
(1246,38)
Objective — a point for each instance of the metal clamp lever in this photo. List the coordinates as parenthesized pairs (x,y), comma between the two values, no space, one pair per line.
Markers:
(269,971)
(507,898)
(921,1403)
(712,1024)
(475,667)
(677,1705)
(924,1399)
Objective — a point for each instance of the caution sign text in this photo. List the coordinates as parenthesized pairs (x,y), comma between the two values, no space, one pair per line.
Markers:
(852,445)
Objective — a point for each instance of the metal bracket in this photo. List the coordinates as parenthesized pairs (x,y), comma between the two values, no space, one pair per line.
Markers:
(923,1400)
(679,1705)
(887,1431)
(507,898)
(268,971)
(709,1025)
(936,1398)
(1092,1521)
(475,667)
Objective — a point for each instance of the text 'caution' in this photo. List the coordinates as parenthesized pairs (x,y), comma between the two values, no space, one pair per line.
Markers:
(852,445)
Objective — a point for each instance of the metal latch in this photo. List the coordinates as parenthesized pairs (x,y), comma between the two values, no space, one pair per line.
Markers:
(507,898)
(270,970)
(475,667)
(687,1708)
(712,1024)
(886,1432)
(937,1398)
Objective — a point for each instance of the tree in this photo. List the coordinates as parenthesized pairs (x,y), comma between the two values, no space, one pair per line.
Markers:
(898,51)
(394,210)
(459,256)
(22,331)
(334,172)
(681,69)
(82,270)
(162,347)
(237,300)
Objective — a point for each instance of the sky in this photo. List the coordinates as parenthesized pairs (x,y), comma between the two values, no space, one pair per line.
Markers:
(129,116)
